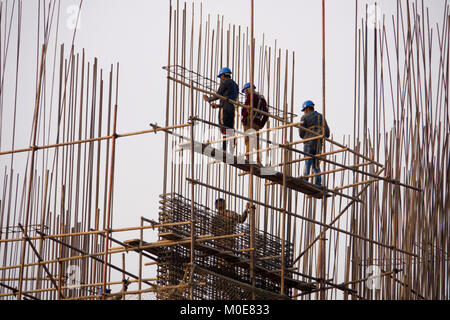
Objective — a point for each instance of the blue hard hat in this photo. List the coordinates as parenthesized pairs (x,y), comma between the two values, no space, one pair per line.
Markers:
(224,71)
(246,86)
(307,104)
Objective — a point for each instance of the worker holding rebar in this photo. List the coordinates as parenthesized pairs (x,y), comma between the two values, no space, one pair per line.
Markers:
(259,119)
(314,121)
(230,90)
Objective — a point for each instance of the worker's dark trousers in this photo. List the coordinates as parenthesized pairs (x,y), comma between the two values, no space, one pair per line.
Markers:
(311,148)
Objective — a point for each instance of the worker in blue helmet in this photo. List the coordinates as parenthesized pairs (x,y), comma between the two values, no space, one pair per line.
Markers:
(230,90)
(312,121)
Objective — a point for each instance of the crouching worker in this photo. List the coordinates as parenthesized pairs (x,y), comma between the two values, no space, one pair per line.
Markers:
(228,89)
(259,119)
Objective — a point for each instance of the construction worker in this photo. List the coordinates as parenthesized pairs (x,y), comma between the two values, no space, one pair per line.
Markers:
(259,119)
(312,120)
(228,89)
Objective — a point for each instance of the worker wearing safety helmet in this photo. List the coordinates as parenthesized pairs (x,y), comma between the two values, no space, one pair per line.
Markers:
(228,89)
(312,120)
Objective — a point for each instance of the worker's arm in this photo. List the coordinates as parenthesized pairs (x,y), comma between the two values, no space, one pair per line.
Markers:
(237,217)
(216,225)
(211,99)
(247,100)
